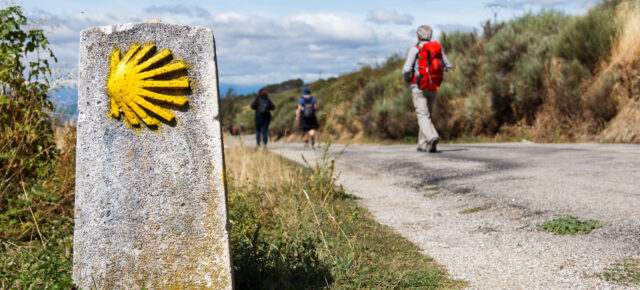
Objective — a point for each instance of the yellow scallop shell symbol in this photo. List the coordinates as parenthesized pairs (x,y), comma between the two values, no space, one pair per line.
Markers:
(130,81)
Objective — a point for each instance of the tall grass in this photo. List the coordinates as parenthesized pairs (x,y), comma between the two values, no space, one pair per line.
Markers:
(626,50)
(36,179)
(294,228)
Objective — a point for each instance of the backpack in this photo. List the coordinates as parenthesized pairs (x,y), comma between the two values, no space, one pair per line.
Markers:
(308,109)
(430,70)
(263,106)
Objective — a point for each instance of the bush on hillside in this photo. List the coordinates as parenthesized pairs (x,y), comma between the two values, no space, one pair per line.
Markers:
(588,38)
(516,60)
(395,119)
(284,116)
(459,42)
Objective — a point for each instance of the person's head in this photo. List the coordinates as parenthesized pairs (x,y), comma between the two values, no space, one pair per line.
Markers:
(306,91)
(424,33)
(262,92)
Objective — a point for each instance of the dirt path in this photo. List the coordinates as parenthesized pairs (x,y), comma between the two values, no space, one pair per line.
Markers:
(516,186)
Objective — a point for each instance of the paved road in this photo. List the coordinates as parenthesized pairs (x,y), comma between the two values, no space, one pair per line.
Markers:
(519,185)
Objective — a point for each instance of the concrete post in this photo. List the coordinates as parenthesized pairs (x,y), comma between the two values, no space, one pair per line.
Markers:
(150,206)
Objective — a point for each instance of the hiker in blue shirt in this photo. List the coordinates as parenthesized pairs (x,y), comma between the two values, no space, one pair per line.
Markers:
(263,106)
(306,116)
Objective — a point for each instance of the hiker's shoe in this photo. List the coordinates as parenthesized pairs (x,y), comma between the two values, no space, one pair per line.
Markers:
(431,146)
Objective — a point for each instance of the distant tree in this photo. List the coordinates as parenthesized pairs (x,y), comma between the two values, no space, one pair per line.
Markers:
(283,86)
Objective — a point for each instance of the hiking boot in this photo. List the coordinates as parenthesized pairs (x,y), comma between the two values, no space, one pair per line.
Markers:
(431,146)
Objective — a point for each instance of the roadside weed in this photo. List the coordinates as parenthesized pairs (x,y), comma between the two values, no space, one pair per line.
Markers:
(569,225)
(476,209)
(625,272)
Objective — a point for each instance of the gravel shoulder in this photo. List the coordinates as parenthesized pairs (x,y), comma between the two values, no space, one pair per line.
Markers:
(514,186)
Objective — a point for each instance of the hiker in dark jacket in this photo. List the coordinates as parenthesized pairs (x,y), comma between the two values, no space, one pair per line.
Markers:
(306,116)
(263,106)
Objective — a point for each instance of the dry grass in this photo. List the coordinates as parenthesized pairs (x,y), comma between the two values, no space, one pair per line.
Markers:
(257,167)
(625,127)
(626,50)
(293,228)
(624,61)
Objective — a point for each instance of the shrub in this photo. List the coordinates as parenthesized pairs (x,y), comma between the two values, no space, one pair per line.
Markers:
(602,107)
(396,119)
(569,225)
(459,42)
(588,38)
(517,58)
(365,101)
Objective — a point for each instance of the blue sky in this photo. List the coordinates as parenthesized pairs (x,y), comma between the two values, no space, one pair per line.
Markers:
(263,42)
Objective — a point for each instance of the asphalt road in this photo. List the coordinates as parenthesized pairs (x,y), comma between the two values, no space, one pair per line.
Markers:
(517,185)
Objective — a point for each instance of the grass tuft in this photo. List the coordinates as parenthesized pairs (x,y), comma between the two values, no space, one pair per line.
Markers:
(476,209)
(569,225)
(292,227)
(625,272)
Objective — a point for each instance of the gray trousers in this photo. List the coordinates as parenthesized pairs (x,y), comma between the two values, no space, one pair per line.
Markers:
(423,100)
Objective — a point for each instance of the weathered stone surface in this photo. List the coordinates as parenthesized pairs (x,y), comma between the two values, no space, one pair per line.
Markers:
(150,204)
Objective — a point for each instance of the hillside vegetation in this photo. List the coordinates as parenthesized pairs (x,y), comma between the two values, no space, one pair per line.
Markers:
(546,77)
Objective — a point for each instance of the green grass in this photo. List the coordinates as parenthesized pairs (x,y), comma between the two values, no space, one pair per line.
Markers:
(299,230)
(476,209)
(625,272)
(569,225)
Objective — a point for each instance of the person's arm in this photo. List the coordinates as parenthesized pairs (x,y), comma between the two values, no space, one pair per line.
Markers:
(298,113)
(408,69)
(254,105)
(315,104)
(272,106)
(447,64)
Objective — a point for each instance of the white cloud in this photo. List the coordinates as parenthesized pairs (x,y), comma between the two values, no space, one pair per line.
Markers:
(382,16)
(458,27)
(192,11)
(255,49)
(332,27)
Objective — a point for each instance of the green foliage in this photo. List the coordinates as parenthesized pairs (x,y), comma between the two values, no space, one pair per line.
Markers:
(26,137)
(36,181)
(459,42)
(517,58)
(569,225)
(588,38)
(308,233)
(625,272)
(598,101)
(33,266)
(283,86)
(284,116)
(490,29)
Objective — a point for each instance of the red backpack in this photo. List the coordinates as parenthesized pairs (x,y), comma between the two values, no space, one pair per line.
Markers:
(430,70)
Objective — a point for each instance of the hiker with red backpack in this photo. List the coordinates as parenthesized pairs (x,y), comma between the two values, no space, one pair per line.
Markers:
(424,69)
(306,116)
(263,106)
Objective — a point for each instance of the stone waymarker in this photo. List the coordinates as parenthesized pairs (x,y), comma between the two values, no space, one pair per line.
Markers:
(150,204)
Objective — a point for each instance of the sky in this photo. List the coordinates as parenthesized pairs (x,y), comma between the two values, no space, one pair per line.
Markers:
(264,42)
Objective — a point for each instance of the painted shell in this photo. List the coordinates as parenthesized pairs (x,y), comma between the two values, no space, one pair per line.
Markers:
(131,85)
